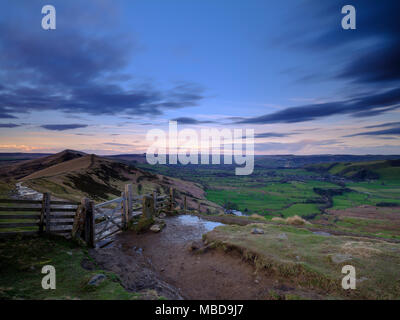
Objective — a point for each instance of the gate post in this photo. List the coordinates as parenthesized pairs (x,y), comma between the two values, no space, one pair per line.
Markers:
(89,224)
(127,204)
(148,207)
(45,213)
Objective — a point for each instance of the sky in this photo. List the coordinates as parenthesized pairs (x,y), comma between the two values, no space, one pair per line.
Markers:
(113,70)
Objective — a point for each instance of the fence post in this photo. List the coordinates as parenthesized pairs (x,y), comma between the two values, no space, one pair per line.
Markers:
(148,207)
(79,219)
(45,213)
(155,201)
(171,200)
(184,206)
(123,206)
(89,223)
(128,203)
(42,213)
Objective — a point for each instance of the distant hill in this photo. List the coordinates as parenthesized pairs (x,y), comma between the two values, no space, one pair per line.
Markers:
(73,175)
(384,170)
(24,168)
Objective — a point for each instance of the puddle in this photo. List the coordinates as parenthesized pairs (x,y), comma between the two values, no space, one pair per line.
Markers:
(236,213)
(198,222)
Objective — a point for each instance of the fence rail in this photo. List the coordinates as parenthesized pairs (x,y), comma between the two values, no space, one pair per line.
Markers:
(85,220)
(26,217)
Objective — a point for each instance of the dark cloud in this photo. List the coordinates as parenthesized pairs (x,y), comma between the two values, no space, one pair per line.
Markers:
(368,55)
(73,71)
(360,106)
(118,144)
(272,135)
(382,125)
(391,131)
(187,120)
(9,125)
(63,127)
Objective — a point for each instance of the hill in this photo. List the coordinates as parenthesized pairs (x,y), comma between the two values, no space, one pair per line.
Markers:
(73,175)
(372,170)
(27,167)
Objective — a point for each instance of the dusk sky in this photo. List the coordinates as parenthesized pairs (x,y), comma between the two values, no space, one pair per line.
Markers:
(112,70)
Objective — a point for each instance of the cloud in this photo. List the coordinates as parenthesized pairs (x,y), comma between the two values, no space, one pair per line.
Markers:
(9,125)
(187,120)
(77,72)
(63,127)
(272,135)
(118,144)
(359,106)
(391,131)
(382,125)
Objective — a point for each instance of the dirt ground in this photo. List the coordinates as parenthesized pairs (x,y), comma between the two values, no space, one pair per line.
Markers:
(167,263)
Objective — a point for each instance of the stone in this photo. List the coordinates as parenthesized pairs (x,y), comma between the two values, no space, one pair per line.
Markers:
(96,279)
(322,233)
(162,215)
(257,231)
(282,236)
(155,228)
(194,245)
(339,258)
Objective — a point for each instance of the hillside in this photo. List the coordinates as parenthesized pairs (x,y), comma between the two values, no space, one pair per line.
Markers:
(100,179)
(24,168)
(372,170)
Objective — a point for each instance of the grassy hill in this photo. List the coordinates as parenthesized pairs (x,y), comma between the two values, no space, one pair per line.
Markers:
(24,168)
(73,175)
(374,170)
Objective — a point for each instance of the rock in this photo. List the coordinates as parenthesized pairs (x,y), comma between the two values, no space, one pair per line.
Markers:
(339,258)
(96,279)
(362,279)
(322,233)
(257,231)
(194,245)
(155,228)
(69,253)
(282,236)
(256,281)
(162,215)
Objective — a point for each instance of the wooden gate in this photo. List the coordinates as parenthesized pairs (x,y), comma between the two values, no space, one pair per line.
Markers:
(96,224)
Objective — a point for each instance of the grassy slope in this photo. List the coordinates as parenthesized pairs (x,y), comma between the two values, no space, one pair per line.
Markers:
(20,269)
(311,260)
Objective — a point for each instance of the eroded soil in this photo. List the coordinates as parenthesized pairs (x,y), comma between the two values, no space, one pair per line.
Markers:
(166,262)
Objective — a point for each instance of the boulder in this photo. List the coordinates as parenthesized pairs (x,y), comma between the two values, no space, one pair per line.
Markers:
(96,279)
(156,227)
(282,236)
(257,231)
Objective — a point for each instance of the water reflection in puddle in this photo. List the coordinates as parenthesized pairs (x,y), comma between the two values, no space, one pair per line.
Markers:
(194,221)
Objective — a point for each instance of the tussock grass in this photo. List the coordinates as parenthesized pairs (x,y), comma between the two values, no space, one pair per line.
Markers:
(310,260)
(295,220)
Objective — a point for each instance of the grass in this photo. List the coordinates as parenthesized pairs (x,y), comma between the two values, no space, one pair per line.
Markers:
(310,260)
(23,258)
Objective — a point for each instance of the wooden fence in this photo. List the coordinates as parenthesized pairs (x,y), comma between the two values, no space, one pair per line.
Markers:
(28,217)
(93,223)
(96,222)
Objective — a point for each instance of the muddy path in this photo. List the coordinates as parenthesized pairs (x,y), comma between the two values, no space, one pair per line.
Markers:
(211,274)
